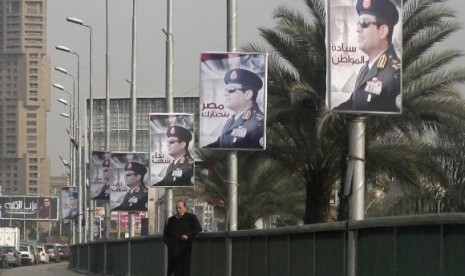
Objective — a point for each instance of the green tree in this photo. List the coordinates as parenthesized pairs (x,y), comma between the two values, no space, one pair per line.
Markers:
(263,191)
(311,143)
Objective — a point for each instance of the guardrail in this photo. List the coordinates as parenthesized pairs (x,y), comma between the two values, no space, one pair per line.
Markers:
(412,245)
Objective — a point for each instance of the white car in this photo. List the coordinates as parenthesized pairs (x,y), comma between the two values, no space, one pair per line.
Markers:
(43,255)
(27,254)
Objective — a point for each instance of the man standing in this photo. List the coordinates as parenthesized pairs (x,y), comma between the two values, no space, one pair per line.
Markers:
(136,198)
(245,129)
(179,232)
(180,172)
(377,87)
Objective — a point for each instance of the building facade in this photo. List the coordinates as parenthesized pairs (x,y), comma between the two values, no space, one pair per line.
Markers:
(24,97)
(120,113)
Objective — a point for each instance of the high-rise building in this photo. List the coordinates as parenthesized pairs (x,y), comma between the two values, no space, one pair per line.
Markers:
(24,97)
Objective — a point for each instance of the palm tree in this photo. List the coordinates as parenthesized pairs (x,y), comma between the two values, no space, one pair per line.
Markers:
(311,143)
(263,191)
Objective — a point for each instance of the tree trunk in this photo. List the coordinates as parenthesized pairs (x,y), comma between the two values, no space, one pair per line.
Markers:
(317,203)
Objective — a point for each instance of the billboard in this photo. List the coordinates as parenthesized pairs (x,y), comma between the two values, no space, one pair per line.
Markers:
(233,101)
(364,56)
(69,202)
(99,178)
(129,177)
(29,207)
(171,148)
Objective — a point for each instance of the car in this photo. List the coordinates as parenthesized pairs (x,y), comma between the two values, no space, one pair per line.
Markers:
(43,255)
(63,250)
(10,256)
(27,254)
(53,253)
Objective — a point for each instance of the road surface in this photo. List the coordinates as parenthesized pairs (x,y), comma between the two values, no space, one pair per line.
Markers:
(59,269)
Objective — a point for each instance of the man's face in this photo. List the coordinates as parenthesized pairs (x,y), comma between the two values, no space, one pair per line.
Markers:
(235,98)
(132,179)
(106,173)
(180,208)
(369,34)
(175,147)
(73,201)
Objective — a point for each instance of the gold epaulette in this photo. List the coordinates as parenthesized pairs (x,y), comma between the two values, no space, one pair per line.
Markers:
(247,115)
(382,61)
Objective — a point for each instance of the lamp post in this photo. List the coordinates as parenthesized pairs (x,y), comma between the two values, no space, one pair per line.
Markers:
(80,22)
(73,144)
(78,139)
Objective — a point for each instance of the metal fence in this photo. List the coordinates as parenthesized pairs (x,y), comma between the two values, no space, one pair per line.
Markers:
(395,246)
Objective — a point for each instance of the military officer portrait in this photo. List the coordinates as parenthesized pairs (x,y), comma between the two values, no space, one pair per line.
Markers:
(245,127)
(136,198)
(180,171)
(378,83)
(104,192)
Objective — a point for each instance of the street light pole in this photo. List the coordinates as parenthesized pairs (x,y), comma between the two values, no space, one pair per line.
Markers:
(133,103)
(91,117)
(72,148)
(231,42)
(78,139)
(107,114)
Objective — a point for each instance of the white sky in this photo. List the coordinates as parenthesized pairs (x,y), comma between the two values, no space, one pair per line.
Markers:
(198,26)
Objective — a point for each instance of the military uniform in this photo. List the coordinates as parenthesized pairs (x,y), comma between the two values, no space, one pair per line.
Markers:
(245,132)
(179,173)
(135,200)
(378,88)
(104,192)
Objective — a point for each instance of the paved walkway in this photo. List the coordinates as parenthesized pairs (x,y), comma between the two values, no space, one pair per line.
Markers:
(59,269)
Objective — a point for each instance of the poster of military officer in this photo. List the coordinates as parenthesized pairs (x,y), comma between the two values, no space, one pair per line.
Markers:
(128,181)
(171,149)
(69,202)
(99,178)
(364,61)
(233,101)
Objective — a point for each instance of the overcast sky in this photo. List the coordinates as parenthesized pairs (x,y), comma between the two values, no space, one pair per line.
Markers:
(198,26)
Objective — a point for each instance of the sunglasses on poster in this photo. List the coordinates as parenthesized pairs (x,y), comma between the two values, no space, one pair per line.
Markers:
(365,23)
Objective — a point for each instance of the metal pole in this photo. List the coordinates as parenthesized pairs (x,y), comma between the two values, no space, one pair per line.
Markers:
(133,101)
(107,114)
(79,155)
(232,155)
(357,197)
(91,129)
(169,89)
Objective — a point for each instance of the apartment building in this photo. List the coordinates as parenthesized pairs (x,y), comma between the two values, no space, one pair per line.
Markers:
(24,98)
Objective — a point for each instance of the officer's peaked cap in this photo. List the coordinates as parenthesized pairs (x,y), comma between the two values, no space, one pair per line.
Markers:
(246,78)
(384,10)
(179,132)
(136,167)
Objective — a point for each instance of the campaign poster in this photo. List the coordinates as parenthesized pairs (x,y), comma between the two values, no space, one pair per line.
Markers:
(364,49)
(129,178)
(171,149)
(69,202)
(233,101)
(99,178)
(29,207)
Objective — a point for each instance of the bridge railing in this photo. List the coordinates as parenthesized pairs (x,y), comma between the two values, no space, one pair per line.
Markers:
(411,245)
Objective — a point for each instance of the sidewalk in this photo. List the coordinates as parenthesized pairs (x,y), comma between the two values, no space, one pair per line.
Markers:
(59,269)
